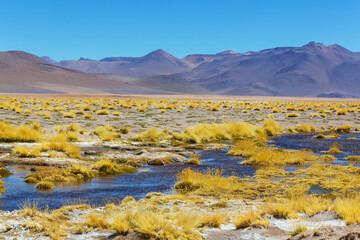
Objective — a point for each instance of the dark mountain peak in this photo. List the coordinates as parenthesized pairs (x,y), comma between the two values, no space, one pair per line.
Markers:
(49,59)
(159,53)
(340,48)
(313,44)
(85,59)
(117,59)
(227,52)
(249,53)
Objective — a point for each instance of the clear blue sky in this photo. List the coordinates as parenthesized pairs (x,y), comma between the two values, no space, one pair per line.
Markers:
(70,29)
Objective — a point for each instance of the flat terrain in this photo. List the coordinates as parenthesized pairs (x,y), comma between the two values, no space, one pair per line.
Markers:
(222,158)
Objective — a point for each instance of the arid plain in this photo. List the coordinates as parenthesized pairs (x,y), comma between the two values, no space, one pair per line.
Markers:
(223,167)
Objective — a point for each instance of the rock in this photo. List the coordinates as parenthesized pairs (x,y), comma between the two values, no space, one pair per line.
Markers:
(141,152)
(351,236)
(92,152)
(134,163)
(177,158)
(157,162)
(154,194)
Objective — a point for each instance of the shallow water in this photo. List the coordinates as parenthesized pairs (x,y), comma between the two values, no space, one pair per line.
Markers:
(350,147)
(103,189)
(159,179)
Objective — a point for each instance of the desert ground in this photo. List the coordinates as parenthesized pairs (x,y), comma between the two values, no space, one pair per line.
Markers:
(223,167)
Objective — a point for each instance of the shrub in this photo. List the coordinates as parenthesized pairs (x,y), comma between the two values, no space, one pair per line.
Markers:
(344,129)
(107,167)
(217,132)
(47,115)
(69,115)
(334,149)
(195,160)
(10,133)
(272,128)
(348,209)
(45,185)
(299,229)
(249,219)
(107,133)
(27,152)
(352,158)
(120,225)
(97,221)
(102,112)
(213,220)
(341,112)
(305,127)
(59,143)
(292,115)
(151,135)
(89,116)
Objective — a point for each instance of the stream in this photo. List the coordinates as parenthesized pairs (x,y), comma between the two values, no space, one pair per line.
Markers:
(160,178)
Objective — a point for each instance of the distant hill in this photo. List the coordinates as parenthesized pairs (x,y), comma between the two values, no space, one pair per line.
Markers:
(21,72)
(155,63)
(313,69)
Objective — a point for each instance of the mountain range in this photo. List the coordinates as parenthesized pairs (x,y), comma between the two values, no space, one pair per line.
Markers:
(311,70)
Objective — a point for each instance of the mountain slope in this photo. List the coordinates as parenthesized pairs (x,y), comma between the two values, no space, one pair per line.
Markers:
(310,70)
(21,72)
(155,63)
(167,83)
(195,60)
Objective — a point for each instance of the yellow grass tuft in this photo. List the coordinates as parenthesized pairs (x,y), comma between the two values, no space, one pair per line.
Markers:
(10,133)
(24,151)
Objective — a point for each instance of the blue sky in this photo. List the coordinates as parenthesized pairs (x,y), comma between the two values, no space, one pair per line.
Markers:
(96,29)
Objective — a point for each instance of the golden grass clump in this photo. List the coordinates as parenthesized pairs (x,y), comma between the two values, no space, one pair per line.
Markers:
(217,132)
(68,115)
(256,155)
(107,133)
(348,209)
(103,112)
(298,203)
(272,128)
(45,185)
(352,158)
(195,160)
(60,143)
(108,167)
(212,220)
(97,221)
(22,133)
(334,150)
(250,219)
(24,151)
(151,135)
(341,112)
(89,116)
(292,115)
(156,225)
(211,182)
(298,229)
(305,127)
(45,179)
(344,128)
(120,225)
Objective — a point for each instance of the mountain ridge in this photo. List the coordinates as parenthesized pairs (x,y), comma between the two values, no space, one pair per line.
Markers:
(313,69)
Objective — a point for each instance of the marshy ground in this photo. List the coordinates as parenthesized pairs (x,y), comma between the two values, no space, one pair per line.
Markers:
(136,168)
